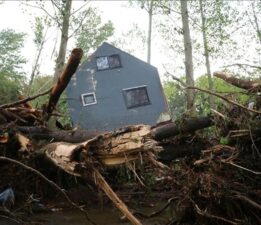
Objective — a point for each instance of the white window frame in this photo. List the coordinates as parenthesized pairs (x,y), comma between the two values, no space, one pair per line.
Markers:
(89,93)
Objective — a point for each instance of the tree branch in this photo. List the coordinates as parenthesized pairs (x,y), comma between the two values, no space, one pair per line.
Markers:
(242,64)
(2,158)
(24,100)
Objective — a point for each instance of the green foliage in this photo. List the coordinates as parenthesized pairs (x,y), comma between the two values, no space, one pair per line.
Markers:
(11,61)
(38,31)
(40,84)
(92,32)
(220,87)
(175,97)
(43,83)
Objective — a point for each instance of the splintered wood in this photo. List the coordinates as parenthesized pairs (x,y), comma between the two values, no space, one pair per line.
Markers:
(109,149)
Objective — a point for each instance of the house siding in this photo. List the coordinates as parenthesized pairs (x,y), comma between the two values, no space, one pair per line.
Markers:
(111,112)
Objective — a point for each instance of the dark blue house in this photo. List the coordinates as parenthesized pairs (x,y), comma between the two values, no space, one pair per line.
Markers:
(113,89)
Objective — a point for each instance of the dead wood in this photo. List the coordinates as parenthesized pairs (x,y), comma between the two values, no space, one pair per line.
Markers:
(109,149)
(2,158)
(24,100)
(186,126)
(253,86)
(44,133)
(64,78)
(102,184)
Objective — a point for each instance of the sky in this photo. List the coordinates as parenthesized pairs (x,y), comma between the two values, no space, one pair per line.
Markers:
(12,15)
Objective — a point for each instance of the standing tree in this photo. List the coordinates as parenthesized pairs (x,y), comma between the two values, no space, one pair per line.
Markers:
(93,32)
(188,55)
(11,62)
(206,52)
(152,7)
(40,33)
(70,22)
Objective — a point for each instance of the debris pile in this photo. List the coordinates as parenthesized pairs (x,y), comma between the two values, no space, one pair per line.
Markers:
(216,182)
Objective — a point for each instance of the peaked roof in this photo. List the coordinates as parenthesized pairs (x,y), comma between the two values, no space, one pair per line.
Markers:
(110,45)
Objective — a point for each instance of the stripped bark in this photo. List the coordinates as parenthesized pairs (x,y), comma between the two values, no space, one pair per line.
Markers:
(253,86)
(64,79)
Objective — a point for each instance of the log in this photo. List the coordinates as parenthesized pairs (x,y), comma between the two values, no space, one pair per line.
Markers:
(186,126)
(158,133)
(42,132)
(253,86)
(64,78)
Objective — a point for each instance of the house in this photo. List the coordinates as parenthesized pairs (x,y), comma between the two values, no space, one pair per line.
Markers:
(113,89)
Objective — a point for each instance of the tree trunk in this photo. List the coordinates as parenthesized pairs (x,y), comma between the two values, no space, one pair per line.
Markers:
(64,39)
(149,32)
(258,31)
(188,55)
(40,48)
(206,52)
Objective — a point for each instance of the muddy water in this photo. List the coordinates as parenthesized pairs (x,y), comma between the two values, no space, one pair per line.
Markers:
(107,216)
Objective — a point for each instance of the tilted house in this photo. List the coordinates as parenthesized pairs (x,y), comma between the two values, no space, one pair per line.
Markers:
(113,89)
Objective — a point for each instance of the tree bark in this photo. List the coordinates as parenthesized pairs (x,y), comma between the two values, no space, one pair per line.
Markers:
(188,55)
(64,79)
(149,31)
(64,39)
(206,52)
(258,31)
(187,126)
(253,86)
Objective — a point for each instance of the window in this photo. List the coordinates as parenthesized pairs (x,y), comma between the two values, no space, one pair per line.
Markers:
(108,62)
(89,99)
(136,96)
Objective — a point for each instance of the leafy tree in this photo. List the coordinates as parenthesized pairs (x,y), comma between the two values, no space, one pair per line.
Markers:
(152,7)
(70,22)
(132,41)
(11,62)
(93,32)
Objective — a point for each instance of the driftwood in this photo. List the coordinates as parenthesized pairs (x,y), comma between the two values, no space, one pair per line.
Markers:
(64,78)
(253,86)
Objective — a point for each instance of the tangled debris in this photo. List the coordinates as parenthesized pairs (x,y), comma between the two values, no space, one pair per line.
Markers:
(208,182)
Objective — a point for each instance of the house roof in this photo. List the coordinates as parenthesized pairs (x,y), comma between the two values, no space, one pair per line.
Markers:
(104,44)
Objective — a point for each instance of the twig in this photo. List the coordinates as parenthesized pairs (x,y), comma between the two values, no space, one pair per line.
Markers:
(2,158)
(156,212)
(215,94)
(24,100)
(242,64)
(253,142)
(243,168)
(218,113)
(225,99)
(208,215)
(248,200)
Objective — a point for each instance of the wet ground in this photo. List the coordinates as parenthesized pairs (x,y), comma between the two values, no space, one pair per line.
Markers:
(106,216)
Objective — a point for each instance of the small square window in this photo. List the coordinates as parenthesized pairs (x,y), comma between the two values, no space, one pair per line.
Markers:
(108,62)
(135,97)
(114,61)
(102,63)
(89,99)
